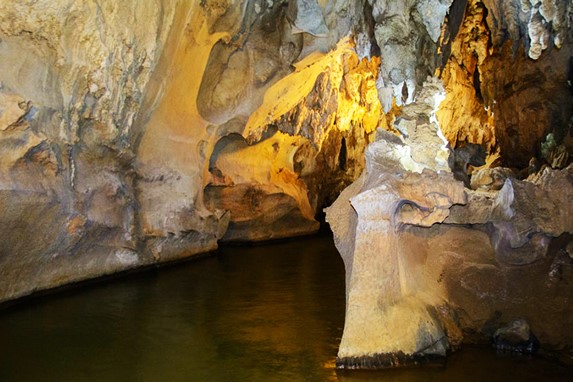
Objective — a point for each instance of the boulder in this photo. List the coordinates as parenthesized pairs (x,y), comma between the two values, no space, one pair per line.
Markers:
(515,337)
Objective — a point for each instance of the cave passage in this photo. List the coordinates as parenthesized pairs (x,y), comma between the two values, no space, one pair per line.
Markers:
(265,313)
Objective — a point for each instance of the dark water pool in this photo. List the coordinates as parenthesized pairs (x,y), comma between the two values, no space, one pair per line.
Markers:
(268,313)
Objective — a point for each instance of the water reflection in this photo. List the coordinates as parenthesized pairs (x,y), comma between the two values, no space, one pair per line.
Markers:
(251,313)
(269,313)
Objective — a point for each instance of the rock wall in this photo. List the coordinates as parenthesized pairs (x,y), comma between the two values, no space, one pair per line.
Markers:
(136,133)
(142,132)
(431,264)
(507,77)
(72,78)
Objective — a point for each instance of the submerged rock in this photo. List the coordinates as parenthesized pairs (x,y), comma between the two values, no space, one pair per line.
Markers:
(515,337)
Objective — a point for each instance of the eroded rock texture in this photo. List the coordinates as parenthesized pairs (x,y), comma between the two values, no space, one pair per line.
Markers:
(136,133)
(306,144)
(139,132)
(292,103)
(406,32)
(429,262)
(506,74)
(72,78)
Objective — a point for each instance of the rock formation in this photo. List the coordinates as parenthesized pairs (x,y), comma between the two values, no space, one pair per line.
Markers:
(144,132)
(505,88)
(430,264)
(140,132)
(428,261)
(72,79)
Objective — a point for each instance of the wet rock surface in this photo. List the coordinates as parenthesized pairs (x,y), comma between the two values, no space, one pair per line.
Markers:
(515,337)
(411,242)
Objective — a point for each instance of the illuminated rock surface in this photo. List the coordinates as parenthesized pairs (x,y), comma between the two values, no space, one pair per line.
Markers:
(427,260)
(140,132)
(144,132)
(498,92)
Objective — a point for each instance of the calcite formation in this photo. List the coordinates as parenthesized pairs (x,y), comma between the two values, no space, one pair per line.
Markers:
(140,132)
(428,260)
(506,70)
(307,138)
(406,33)
(130,135)
(417,246)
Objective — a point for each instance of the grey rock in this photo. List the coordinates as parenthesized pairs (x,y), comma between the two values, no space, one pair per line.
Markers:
(515,337)
(306,16)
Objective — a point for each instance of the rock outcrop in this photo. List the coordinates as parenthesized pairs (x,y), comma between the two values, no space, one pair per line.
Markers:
(406,33)
(299,149)
(429,261)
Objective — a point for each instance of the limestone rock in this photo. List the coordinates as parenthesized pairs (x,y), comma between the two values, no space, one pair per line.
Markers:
(72,79)
(418,125)
(515,337)
(411,242)
(298,149)
(433,13)
(306,16)
(385,313)
(406,32)
(115,120)
(496,95)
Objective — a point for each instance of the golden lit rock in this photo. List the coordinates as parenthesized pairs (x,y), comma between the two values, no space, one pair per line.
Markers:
(496,95)
(302,145)
(140,132)
(112,117)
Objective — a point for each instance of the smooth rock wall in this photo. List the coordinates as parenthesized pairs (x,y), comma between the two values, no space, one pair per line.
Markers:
(72,79)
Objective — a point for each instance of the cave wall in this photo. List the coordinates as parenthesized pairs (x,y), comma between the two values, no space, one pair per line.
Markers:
(507,76)
(146,132)
(130,136)
(72,79)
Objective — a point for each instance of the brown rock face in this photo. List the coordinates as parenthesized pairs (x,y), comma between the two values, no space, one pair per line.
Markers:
(503,91)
